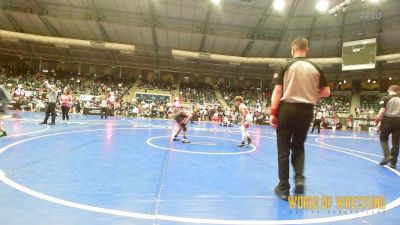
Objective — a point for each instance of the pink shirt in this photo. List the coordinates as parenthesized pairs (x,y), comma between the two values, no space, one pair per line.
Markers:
(66,100)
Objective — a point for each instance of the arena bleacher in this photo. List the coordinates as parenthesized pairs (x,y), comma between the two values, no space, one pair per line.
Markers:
(335,104)
(369,102)
(28,94)
(198,92)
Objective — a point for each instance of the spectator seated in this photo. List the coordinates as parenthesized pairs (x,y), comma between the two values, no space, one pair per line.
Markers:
(199,92)
(369,102)
(156,85)
(335,104)
(252,96)
(28,93)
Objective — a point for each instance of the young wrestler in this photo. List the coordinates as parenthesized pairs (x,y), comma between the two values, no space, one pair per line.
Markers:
(245,122)
(182,118)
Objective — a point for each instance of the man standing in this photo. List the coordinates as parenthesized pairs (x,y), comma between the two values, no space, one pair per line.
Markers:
(317,121)
(103,107)
(298,86)
(51,105)
(390,116)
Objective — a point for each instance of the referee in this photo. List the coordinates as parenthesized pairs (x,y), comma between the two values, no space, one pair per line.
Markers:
(317,121)
(51,105)
(298,86)
(390,115)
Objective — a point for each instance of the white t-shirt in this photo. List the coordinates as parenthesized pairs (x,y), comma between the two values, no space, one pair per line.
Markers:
(318,116)
(245,112)
(103,104)
(242,107)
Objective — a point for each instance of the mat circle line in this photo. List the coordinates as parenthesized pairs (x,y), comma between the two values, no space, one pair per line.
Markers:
(17,186)
(148,141)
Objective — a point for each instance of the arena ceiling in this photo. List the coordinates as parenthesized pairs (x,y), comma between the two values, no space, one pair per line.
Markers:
(234,27)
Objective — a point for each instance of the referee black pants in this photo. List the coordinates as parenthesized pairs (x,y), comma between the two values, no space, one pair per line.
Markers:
(316,124)
(51,109)
(293,123)
(390,126)
(103,111)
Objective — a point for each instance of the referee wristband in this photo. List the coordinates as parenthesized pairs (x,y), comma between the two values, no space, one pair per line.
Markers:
(273,112)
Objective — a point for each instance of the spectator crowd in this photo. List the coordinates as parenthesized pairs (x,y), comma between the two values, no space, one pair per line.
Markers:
(28,93)
(88,90)
(335,104)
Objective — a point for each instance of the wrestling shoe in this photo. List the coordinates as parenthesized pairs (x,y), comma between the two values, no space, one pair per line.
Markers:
(185,141)
(241,145)
(392,165)
(249,141)
(3,134)
(176,139)
(42,123)
(385,161)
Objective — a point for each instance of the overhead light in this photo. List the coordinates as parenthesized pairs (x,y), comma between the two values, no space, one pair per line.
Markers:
(322,5)
(216,2)
(279,5)
(344,81)
(374,81)
(369,80)
(390,78)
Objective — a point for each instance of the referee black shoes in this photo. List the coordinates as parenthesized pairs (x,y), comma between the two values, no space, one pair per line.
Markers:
(282,193)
